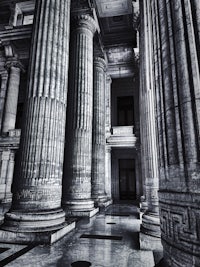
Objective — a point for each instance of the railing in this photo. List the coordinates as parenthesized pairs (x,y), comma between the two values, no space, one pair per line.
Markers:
(122,130)
(122,136)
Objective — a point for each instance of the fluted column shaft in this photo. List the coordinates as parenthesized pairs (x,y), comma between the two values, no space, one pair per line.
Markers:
(12,96)
(150,220)
(148,124)
(38,180)
(108,105)
(3,89)
(78,152)
(10,171)
(98,137)
(176,60)
(108,133)
(108,172)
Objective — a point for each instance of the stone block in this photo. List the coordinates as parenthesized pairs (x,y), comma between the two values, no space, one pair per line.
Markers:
(148,242)
(44,237)
(79,213)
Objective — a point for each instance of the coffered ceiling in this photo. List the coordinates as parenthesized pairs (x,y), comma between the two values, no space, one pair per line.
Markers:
(116,21)
(110,8)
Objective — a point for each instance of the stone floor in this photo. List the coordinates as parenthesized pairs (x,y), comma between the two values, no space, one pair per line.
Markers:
(110,239)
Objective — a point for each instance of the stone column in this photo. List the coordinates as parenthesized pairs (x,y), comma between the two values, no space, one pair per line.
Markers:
(108,133)
(78,152)
(108,177)
(12,96)
(3,89)
(9,177)
(98,138)
(108,105)
(4,159)
(36,214)
(176,63)
(150,228)
(177,51)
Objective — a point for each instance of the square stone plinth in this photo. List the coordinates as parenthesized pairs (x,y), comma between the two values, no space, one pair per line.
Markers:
(148,242)
(75,213)
(43,237)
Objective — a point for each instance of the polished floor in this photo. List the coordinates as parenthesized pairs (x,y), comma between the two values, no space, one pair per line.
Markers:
(110,239)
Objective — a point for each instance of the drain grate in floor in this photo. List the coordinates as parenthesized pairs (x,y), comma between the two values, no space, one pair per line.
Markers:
(2,250)
(81,264)
(109,237)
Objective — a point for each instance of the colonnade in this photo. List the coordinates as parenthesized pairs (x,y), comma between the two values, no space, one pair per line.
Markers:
(39,184)
(62,154)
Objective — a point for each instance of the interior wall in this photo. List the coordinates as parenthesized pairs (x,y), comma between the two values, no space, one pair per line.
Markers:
(124,153)
(122,87)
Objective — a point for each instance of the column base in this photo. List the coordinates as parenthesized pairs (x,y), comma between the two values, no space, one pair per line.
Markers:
(40,237)
(151,224)
(102,201)
(148,242)
(4,208)
(78,205)
(143,207)
(33,221)
(76,213)
(80,208)
(150,235)
(7,198)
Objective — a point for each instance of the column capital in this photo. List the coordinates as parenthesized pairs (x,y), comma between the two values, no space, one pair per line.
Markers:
(100,62)
(14,63)
(84,21)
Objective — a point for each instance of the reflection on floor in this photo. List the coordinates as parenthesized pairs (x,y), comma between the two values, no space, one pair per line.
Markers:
(110,239)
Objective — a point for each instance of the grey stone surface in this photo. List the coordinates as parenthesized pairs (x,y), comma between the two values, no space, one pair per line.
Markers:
(174,53)
(100,252)
(98,134)
(37,183)
(169,120)
(150,219)
(3,90)
(12,96)
(78,151)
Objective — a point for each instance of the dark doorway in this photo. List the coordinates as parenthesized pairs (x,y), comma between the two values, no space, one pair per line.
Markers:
(125,108)
(127,184)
